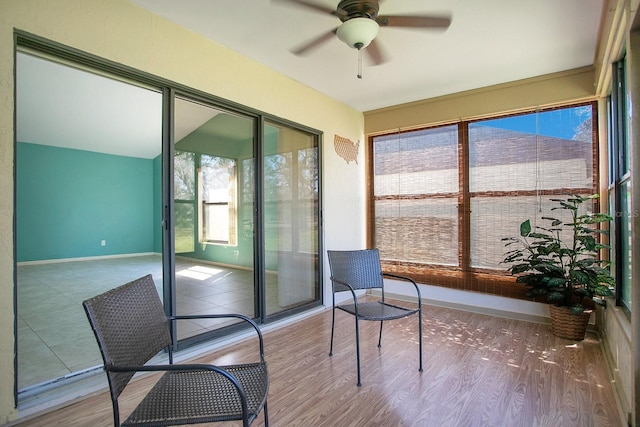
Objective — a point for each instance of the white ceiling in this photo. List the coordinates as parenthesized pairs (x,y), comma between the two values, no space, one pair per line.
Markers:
(67,107)
(489,42)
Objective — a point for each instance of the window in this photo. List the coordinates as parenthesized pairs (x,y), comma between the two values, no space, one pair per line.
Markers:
(217,177)
(442,198)
(290,189)
(216,200)
(620,186)
(516,164)
(416,189)
(184,188)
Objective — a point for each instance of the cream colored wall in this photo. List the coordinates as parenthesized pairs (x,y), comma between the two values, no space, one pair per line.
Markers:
(616,333)
(544,91)
(119,31)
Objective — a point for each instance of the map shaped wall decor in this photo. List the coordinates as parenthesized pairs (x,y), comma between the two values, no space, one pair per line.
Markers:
(346,148)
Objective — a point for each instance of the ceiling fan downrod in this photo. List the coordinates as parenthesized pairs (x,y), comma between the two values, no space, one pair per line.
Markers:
(359,59)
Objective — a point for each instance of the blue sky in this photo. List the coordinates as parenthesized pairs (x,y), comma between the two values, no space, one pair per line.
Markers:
(560,123)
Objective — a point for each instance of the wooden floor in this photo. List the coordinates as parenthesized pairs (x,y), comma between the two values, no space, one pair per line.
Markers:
(479,370)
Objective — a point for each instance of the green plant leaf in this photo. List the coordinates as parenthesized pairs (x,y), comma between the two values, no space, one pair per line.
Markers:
(595,218)
(577,309)
(543,236)
(589,242)
(555,296)
(581,292)
(556,282)
(525,228)
(519,268)
(602,291)
(536,292)
(554,221)
(565,205)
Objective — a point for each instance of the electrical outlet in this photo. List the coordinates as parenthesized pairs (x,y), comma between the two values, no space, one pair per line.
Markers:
(103,243)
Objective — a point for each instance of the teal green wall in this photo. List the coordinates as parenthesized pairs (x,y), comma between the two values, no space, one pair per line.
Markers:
(69,200)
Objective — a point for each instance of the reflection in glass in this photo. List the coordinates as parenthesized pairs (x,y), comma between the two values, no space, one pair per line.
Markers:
(290,190)
(217,178)
(215,266)
(184,190)
(624,257)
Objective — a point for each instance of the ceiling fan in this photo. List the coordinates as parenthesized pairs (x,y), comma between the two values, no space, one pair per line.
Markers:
(360,24)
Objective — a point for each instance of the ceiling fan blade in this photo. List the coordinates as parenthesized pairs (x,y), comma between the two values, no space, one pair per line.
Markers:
(414,21)
(376,53)
(313,43)
(310,5)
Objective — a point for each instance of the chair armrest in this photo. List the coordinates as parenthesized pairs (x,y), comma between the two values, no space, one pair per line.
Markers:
(340,282)
(346,285)
(222,316)
(408,279)
(349,288)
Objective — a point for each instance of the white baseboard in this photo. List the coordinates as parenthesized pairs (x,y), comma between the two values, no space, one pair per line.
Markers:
(87,258)
(475,302)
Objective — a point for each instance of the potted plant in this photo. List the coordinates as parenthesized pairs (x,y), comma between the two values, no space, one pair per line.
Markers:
(559,261)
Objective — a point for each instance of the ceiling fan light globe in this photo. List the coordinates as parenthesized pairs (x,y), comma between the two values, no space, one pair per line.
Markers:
(358,32)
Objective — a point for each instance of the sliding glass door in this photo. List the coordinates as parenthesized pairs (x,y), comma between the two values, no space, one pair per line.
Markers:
(116,179)
(214,218)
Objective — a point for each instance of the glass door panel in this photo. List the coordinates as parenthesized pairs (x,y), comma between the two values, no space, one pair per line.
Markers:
(213,210)
(290,189)
(88,207)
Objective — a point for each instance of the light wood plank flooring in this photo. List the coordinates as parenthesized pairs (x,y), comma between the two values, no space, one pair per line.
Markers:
(479,370)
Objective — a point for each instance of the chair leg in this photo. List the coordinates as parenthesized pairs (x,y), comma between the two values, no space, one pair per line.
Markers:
(358,350)
(420,336)
(266,415)
(380,336)
(116,412)
(333,321)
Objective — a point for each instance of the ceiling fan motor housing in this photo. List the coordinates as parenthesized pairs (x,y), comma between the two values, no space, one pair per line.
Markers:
(358,9)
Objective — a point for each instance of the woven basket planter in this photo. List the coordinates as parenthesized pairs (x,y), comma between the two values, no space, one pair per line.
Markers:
(565,324)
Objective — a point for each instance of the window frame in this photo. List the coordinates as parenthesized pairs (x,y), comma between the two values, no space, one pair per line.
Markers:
(619,178)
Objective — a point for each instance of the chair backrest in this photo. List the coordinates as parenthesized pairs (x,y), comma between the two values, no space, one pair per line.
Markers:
(360,268)
(130,326)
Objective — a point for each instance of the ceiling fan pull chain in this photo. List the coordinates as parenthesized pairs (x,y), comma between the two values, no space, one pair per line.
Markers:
(360,63)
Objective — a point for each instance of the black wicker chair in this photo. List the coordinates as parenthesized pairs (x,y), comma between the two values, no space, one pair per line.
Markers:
(131,327)
(361,270)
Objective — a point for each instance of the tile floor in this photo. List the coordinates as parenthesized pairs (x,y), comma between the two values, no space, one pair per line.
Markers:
(54,337)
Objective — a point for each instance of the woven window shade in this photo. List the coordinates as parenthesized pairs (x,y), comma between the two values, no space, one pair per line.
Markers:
(444,197)
(416,196)
(513,174)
